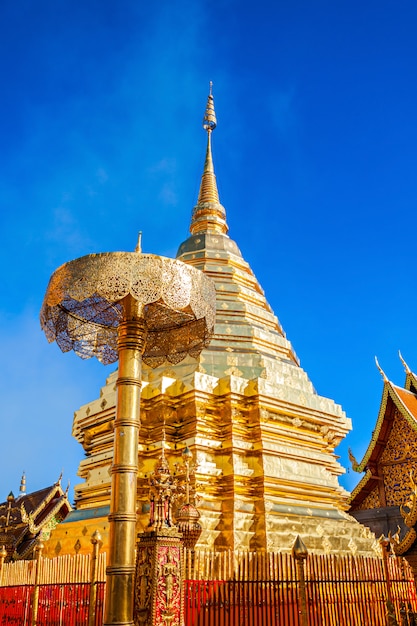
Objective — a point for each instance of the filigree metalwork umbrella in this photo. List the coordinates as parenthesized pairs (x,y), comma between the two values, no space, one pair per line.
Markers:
(130,307)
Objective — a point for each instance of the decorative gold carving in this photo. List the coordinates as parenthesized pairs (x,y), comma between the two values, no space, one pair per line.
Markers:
(327,546)
(402,442)
(403,546)
(143,582)
(397,491)
(163,487)
(158,581)
(371,501)
(352,546)
(409,515)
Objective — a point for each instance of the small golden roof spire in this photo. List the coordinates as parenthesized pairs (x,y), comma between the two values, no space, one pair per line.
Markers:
(23,484)
(209,214)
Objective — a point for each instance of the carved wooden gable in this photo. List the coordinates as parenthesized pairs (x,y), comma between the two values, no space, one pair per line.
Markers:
(391,454)
(398,459)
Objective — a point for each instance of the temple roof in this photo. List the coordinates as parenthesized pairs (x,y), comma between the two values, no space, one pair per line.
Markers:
(24,518)
(402,399)
(406,402)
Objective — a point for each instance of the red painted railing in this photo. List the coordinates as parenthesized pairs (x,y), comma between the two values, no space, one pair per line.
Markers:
(338,594)
(275,603)
(59,605)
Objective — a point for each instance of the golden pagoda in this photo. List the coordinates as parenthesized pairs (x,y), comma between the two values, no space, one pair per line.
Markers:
(263,440)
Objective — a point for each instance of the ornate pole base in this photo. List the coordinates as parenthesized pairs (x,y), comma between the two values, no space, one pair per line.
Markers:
(159,594)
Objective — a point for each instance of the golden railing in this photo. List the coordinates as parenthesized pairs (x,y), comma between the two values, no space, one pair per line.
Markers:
(222,589)
(231,588)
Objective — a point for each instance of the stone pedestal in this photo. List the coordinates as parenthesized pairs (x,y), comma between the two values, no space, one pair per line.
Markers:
(159,579)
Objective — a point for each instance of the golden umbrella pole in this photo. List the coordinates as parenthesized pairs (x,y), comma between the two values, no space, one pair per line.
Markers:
(122,518)
(131,307)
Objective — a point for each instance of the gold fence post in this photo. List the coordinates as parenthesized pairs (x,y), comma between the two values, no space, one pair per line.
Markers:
(385,543)
(3,555)
(96,541)
(300,553)
(35,595)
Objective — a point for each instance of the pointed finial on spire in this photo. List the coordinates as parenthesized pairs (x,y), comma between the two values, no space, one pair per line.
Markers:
(209,119)
(139,244)
(407,369)
(209,215)
(381,371)
(22,489)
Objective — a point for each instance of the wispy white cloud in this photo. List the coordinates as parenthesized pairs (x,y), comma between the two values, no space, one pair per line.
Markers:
(67,231)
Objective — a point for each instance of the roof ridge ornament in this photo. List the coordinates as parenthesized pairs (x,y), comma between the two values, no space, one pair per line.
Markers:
(354,463)
(407,369)
(381,371)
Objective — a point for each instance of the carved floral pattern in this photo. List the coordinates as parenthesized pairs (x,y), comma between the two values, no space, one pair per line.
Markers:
(397,483)
(402,442)
(371,501)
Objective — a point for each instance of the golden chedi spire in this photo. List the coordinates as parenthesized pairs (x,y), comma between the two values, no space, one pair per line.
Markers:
(208,214)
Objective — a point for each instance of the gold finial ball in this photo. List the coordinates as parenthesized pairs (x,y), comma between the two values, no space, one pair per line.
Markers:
(95,537)
(299,549)
(187,455)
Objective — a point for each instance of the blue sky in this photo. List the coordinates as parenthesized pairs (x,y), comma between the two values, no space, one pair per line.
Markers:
(315,155)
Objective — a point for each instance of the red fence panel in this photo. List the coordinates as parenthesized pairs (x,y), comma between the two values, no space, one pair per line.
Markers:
(15,605)
(59,605)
